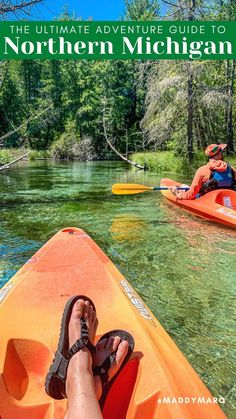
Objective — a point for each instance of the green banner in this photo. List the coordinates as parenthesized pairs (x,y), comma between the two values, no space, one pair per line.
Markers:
(153,40)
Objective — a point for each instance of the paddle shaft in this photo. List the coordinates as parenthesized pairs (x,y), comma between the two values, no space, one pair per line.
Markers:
(159,188)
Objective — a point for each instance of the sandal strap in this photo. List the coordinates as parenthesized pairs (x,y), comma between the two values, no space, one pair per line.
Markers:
(59,366)
(102,374)
(84,328)
(97,370)
(81,343)
(60,362)
(103,369)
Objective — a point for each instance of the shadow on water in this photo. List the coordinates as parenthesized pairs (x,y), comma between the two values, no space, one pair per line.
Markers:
(183,267)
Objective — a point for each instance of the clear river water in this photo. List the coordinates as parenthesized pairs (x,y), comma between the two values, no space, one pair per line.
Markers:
(183,267)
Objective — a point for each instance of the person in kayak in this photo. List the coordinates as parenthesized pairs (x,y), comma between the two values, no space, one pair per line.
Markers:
(216,174)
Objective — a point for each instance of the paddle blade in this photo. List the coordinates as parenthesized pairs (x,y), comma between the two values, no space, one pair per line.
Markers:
(129,188)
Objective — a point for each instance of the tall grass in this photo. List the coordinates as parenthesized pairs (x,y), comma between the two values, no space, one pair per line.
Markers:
(9,154)
(166,161)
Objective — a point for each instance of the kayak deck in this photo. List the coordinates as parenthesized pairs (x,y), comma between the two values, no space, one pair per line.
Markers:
(31,305)
(218,206)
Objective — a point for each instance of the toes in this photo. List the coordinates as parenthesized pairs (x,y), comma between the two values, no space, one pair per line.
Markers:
(112,343)
(121,352)
(94,317)
(101,345)
(109,344)
(74,323)
(90,313)
(86,310)
(115,343)
(77,310)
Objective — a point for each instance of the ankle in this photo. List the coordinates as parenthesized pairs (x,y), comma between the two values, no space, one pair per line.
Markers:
(76,379)
(80,362)
(98,386)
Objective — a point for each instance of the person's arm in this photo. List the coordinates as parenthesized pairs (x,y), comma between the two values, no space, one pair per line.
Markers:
(194,188)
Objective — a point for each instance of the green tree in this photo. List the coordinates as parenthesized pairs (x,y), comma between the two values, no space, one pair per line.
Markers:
(141,9)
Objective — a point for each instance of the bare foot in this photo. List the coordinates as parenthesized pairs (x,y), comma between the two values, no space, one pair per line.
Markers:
(82,360)
(103,350)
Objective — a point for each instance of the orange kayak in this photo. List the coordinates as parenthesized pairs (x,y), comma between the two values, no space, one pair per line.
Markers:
(218,206)
(157,383)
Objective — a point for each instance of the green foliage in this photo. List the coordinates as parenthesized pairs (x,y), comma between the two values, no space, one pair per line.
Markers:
(70,146)
(39,155)
(167,161)
(145,105)
(67,146)
(11,104)
(9,154)
(141,9)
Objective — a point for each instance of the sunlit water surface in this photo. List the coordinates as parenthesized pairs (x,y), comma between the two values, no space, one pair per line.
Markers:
(183,267)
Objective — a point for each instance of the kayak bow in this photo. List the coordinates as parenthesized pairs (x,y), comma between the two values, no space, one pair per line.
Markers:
(31,304)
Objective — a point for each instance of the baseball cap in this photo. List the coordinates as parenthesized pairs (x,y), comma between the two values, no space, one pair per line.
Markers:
(214,149)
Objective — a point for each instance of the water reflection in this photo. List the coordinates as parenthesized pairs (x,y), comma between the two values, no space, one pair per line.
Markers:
(128,227)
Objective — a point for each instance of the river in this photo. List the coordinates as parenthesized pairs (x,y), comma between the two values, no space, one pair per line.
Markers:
(183,267)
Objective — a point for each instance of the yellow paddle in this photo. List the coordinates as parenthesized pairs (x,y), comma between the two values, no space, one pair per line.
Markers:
(134,188)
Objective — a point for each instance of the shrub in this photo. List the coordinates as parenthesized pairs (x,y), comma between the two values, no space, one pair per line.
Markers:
(39,154)
(86,150)
(71,148)
(67,147)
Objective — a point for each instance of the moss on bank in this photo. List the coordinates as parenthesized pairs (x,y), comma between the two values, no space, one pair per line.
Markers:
(166,161)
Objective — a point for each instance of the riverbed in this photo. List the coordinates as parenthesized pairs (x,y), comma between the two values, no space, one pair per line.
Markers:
(183,267)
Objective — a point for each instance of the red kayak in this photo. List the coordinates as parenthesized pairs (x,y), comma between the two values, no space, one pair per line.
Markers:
(218,206)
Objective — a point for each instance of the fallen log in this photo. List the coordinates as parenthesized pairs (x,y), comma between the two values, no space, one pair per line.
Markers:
(6,166)
(112,146)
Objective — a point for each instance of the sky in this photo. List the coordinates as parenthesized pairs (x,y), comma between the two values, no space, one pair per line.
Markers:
(97,9)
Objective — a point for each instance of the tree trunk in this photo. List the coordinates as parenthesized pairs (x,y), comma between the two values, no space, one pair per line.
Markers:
(190,115)
(4,76)
(190,95)
(227,103)
(212,126)
(114,149)
(230,130)
(202,131)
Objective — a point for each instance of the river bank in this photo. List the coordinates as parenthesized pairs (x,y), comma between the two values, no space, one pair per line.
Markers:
(167,161)
(9,154)
(157,162)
